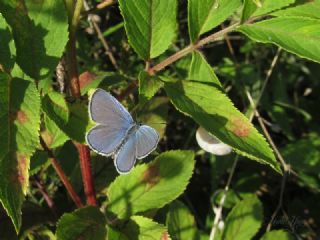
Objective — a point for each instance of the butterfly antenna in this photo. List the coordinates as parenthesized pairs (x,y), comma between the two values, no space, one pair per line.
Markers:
(157,123)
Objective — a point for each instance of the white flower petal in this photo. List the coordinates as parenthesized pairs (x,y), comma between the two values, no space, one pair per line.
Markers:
(211,144)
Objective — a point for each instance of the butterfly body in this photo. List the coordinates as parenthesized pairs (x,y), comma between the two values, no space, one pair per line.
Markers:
(117,134)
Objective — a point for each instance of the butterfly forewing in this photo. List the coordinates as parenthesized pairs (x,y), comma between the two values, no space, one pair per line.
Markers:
(147,141)
(104,139)
(113,123)
(106,110)
(125,157)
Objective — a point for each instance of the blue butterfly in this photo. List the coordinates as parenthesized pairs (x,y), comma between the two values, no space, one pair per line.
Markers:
(117,134)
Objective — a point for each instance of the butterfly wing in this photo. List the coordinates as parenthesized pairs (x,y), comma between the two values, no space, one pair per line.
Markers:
(147,141)
(106,110)
(105,139)
(113,123)
(125,157)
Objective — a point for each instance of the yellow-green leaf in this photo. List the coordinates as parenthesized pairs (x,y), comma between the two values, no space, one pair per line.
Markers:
(149,186)
(19,138)
(215,112)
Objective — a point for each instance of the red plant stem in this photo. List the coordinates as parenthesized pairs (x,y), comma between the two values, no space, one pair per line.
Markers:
(63,177)
(85,166)
(127,91)
(84,153)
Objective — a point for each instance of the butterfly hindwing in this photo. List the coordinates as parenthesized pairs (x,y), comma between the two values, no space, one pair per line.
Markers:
(147,141)
(125,157)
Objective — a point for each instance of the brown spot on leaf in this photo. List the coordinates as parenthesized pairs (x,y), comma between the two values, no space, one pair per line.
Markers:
(47,137)
(22,168)
(151,176)
(86,78)
(164,236)
(240,128)
(21,117)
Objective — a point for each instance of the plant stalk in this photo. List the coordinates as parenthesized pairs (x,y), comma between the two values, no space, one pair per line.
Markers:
(84,153)
(63,177)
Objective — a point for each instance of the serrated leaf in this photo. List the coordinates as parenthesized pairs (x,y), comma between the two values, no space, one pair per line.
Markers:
(148,86)
(33,216)
(150,25)
(200,70)
(37,161)
(261,7)
(149,186)
(40,32)
(244,220)
(204,15)
(214,111)
(6,56)
(310,9)
(84,223)
(56,108)
(19,134)
(142,228)
(296,35)
(52,135)
(78,123)
(278,234)
(180,222)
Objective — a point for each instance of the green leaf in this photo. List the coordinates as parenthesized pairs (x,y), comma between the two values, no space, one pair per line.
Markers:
(295,34)
(155,114)
(148,87)
(278,234)
(6,47)
(40,32)
(142,228)
(180,222)
(150,25)
(310,9)
(38,159)
(304,157)
(204,15)
(201,71)
(103,80)
(271,5)
(249,7)
(84,223)
(78,123)
(244,220)
(214,111)
(149,186)
(113,234)
(55,106)
(53,135)
(19,134)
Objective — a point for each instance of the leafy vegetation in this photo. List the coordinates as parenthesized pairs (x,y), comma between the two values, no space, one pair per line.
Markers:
(245,71)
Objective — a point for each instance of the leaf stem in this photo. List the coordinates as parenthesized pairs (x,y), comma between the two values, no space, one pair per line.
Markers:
(57,167)
(185,51)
